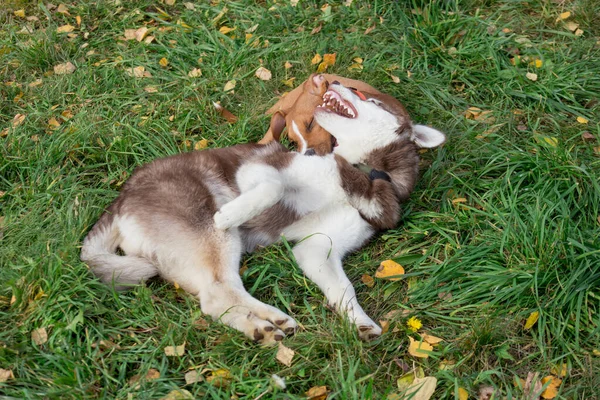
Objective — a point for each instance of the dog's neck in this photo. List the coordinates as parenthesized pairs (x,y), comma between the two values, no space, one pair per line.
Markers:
(400,161)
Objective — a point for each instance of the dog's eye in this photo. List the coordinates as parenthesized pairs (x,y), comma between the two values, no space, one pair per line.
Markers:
(374,101)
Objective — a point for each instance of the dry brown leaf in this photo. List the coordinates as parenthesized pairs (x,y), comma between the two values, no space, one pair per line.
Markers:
(532,387)
(572,26)
(485,393)
(137,72)
(18,120)
(39,336)
(287,65)
(431,339)
(62,9)
(317,393)
(148,39)
(6,374)
(65,29)
(368,280)
(63,69)
(170,2)
(175,351)
(35,83)
(419,349)
(150,89)
(229,86)
(597,150)
(53,123)
(189,6)
(140,34)
(225,113)
(4,133)
(178,394)
(385,326)
(263,74)
(389,269)
(316,30)
(421,388)
(370,29)
(193,377)
(578,32)
(284,355)
(195,73)
(395,79)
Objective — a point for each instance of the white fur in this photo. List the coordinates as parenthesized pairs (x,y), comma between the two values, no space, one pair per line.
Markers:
(303,144)
(427,137)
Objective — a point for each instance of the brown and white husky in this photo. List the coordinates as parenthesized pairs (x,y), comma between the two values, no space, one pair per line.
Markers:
(189,217)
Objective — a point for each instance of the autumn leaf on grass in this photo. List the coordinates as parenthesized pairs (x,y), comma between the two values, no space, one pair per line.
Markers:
(229,86)
(201,144)
(138,72)
(178,394)
(552,389)
(175,351)
(63,69)
(531,76)
(582,120)
(65,29)
(328,60)
(285,355)
(432,340)
(317,393)
(18,120)
(462,394)
(287,65)
(389,269)
(225,30)
(563,16)
(193,377)
(151,375)
(546,140)
(263,74)
(421,388)
(53,124)
(367,280)
(357,65)
(39,336)
(219,378)
(289,82)
(19,13)
(63,9)
(163,62)
(6,374)
(419,349)
(316,59)
(195,73)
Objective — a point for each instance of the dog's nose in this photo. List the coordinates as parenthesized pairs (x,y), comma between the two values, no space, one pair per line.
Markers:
(310,152)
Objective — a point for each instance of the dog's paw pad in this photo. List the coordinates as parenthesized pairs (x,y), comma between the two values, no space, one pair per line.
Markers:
(369,332)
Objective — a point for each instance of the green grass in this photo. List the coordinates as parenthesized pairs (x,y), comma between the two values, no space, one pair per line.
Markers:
(526,239)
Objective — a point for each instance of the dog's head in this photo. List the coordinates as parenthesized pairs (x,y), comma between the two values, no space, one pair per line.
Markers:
(362,122)
(299,119)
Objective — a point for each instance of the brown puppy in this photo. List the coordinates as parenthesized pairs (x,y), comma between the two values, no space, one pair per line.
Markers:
(295,110)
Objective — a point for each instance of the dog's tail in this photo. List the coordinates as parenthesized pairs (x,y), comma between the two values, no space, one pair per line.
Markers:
(99,252)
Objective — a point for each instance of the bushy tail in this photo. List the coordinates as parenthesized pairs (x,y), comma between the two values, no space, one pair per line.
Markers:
(99,252)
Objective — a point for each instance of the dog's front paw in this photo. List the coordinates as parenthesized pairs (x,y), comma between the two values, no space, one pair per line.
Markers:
(369,332)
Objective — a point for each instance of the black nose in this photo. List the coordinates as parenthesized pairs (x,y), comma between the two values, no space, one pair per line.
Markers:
(336,82)
(310,152)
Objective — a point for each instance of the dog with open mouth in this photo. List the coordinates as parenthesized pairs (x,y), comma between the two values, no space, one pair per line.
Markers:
(189,217)
(295,111)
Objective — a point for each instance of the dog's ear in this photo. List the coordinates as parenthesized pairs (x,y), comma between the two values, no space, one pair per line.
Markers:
(427,137)
(277,124)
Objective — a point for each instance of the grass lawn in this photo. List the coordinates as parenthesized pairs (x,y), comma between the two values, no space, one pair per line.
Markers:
(505,221)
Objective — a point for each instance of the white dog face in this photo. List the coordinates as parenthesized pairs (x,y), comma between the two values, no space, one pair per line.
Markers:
(363,122)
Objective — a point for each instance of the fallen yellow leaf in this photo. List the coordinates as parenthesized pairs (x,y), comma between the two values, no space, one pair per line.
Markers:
(284,355)
(419,349)
(552,390)
(459,200)
(193,377)
(263,74)
(163,62)
(20,13)
(578,32)
(201,144)
(389,269)
(219,378)
(65,29)
(140,34)
(421,388)
(355,67)
(289,82)
(531,320)
(329,59)
(53,123)
(563,16)
(287,65)
(462,394)
(385,326)
(170,2)
(175,351)
(572,26)
(395,79)
(63,9)
(582,120)
(317,393)
(367,280)
(225,30)
(560,370)
(18,120)
(150,89)
(78,20)
(316,59)
(195,73)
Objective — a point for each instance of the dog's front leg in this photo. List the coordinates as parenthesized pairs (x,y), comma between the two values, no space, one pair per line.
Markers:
(261,188)
(319,259)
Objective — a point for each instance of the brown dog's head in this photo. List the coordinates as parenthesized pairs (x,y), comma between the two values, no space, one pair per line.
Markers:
(295,111)
(299,120)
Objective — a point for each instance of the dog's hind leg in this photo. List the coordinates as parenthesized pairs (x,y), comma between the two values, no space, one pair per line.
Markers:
(211,271)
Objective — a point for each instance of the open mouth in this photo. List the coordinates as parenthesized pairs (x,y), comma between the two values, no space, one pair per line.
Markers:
(333,102)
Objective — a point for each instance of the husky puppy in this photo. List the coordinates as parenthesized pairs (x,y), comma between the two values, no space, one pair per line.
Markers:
(189,217)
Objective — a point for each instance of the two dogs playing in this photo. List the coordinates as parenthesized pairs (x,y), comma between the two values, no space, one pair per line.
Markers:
(190,217)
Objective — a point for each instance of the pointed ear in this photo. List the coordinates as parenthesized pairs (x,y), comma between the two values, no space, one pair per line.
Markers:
(426,137)
(277,124)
